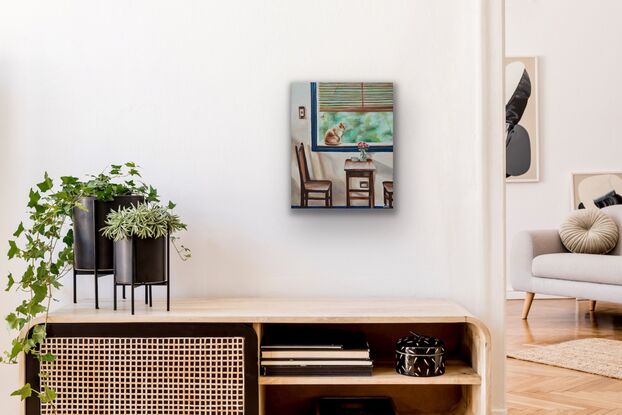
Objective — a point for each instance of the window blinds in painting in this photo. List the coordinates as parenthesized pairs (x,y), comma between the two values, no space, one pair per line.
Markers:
(355,96)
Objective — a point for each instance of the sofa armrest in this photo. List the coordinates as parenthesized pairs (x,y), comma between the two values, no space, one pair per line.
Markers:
(525,247)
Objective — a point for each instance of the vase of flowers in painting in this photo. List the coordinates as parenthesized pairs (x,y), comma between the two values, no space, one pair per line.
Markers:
(363,148)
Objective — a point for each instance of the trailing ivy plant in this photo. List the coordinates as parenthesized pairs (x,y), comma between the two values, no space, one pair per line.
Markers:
(146,220)
(43,245)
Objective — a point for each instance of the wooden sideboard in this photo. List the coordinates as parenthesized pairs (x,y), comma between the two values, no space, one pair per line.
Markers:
(463,389)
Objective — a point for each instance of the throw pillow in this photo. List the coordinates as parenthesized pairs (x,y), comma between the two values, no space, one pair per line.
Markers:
(589,231)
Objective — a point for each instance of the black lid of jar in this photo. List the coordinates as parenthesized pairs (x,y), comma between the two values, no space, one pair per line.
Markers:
(420,344)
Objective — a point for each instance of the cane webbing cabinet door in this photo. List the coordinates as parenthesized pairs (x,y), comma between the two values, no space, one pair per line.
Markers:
(148,368)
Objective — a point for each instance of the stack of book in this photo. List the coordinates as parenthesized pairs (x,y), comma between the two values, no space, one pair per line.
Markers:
(315,353)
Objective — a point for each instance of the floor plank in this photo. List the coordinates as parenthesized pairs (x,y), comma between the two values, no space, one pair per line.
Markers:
(540,389)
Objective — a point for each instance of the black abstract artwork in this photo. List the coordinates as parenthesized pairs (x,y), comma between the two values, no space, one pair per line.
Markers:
(610,199)
(517,142)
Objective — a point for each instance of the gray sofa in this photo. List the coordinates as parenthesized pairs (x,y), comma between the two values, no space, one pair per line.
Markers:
(539,264)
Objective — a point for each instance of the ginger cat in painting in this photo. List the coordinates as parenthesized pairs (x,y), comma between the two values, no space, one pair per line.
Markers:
(333,135)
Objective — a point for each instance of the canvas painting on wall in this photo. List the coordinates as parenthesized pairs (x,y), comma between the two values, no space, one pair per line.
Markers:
(521,119)
(596,190)
(342,145)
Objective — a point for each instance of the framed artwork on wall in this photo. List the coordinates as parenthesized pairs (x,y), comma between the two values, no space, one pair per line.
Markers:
(596,190)
(342,150)
(522,139)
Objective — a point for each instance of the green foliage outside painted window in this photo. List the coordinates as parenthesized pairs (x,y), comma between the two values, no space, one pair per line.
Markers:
(368,127)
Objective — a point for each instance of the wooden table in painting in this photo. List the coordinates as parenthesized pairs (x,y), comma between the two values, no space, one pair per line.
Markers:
(364,169)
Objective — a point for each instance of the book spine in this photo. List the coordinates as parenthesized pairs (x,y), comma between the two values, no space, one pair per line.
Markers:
(361,354)
(316,371)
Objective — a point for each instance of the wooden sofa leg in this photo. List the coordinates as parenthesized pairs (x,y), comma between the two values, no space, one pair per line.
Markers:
(527,305)
(592,305)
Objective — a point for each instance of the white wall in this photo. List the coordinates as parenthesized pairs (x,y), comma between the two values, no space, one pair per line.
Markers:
(580,61)
(198,95)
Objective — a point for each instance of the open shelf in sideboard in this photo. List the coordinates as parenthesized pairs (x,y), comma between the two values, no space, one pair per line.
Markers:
(408,399)
(458,391)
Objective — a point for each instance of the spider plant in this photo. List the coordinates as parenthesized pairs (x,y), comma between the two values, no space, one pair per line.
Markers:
(146,220)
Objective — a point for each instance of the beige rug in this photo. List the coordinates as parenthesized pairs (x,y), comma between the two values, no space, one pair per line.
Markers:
(598,356)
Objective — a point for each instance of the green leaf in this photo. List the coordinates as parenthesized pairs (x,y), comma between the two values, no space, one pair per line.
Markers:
(46,184)
(152,195)
(130,164)
(48,357)
(36,309)
(15,323)
(68,239)
(38,334)
(13,250)
(9,284)
(29,344)
(47,395)
(33,199)
(19,230)
(69,180)
(40,291)
(115,169)
(27,276)
(23,392)
(171,205)
(16,348)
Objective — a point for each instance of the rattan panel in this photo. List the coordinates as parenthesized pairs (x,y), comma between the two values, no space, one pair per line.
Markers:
(163,376)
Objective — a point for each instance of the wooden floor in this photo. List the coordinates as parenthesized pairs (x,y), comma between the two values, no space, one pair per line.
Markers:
(540,389)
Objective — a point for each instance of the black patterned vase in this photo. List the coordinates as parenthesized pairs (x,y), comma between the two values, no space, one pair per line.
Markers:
(420,356)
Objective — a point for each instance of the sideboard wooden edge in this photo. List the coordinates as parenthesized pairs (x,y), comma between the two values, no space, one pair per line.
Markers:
(267,310)
(247,320)
(479,401)
(21,361)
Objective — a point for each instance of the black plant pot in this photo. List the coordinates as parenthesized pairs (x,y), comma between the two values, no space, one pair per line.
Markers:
(89,245)
(140,261)
(145,262)
(85,237)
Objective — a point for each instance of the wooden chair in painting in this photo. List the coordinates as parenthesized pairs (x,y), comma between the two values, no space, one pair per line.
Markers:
(387,188)
(311,189)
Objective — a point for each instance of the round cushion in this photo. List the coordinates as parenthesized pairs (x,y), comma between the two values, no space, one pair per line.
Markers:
(589,231)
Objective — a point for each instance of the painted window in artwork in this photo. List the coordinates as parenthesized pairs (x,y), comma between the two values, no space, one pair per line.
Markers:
(350,112)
